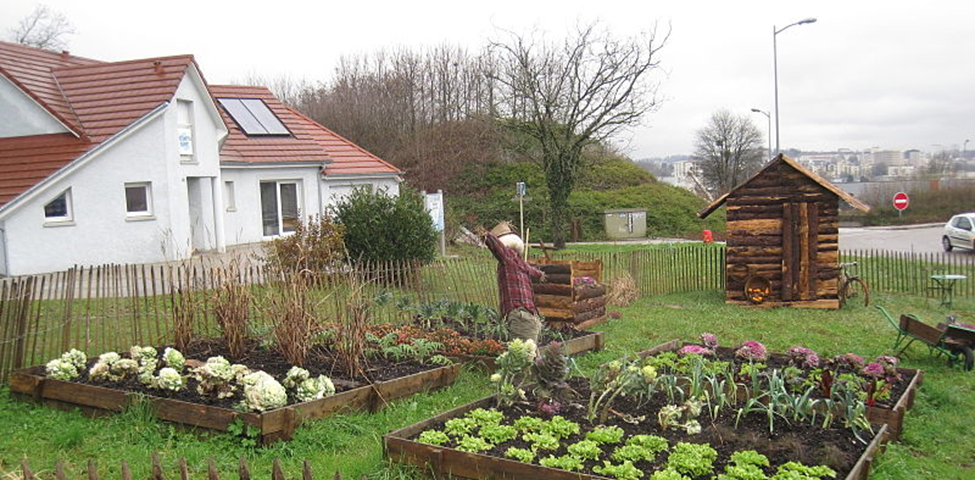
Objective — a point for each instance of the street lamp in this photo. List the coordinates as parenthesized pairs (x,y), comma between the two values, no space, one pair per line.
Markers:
(775,62)
(769,118)
(964,148)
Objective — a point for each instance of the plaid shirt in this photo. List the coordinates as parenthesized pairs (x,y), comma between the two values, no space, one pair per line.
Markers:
(514,277)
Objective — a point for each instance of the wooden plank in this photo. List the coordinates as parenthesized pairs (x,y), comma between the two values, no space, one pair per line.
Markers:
(552,289)
(557,313)
(812,250)
(803,252)
(389,390)
(771,224)
(553,302)
(788,253)
(589,304)
(584,292)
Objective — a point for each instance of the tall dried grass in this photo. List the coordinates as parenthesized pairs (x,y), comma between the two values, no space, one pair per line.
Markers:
(286,305)
(350,336)
(185,306)
(622,291)
(230,307)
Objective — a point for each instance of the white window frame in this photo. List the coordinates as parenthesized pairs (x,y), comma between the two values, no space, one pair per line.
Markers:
(185,126)
(230,195)
(277,188)
(67,219)
(139,214)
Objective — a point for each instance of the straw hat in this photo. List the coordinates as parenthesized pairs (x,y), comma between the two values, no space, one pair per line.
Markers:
(508,237)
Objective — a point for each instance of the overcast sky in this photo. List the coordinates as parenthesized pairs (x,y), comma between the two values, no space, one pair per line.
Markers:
(890,74)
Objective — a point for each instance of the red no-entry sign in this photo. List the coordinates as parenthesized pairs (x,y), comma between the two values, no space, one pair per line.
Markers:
(901,201)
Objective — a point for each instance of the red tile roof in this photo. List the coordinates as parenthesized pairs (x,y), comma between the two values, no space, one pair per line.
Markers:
(93,99)
(347,157)
(310,142)
(26,161)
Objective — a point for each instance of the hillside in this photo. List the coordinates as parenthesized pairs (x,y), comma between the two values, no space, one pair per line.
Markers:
(483,196)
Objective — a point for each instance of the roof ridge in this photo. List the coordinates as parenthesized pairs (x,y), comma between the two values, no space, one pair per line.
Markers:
(189,57)
(61,54)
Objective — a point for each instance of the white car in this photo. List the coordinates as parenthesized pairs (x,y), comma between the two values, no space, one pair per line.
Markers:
(959,232)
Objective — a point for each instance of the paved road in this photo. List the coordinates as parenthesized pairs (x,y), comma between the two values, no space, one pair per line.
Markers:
(925,239)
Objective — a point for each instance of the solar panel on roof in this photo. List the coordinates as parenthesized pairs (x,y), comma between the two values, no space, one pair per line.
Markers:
(253,116)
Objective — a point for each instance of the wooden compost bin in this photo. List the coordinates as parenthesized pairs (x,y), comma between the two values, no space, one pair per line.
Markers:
(561,302)
(892,417)
(444,462)
(592,342)
(783,237)
(274,425)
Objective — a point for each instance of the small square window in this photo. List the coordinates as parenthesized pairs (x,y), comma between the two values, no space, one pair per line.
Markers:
(59,209)
(138,199)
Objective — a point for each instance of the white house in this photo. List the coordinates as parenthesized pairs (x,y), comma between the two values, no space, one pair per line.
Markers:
(143,161)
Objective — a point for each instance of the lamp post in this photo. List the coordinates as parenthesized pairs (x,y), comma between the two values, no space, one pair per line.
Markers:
(775,63)
(769,118)
(964,148)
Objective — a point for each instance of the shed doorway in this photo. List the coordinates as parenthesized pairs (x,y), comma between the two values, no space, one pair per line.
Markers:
(800,248)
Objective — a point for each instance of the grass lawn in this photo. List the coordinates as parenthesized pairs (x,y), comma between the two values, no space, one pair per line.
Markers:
(937,442)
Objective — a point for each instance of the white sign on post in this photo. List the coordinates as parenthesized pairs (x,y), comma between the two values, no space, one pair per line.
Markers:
(434,204)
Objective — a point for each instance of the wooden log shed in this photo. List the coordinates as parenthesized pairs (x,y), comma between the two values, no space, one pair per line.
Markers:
(782,225)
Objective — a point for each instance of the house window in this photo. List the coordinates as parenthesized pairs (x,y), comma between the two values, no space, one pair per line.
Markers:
(279,207)
(229,196)
(138,199)
(59,209)
(184,129)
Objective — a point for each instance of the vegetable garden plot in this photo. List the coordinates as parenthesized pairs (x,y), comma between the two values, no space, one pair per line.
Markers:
(889,408)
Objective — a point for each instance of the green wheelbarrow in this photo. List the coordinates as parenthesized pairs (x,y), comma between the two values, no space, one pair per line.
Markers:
(953,341)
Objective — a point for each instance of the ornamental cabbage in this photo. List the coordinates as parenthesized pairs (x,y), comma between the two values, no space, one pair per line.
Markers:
(262,392)
(143,354)
(174,359)
(170,379)
(147,371)
(59,369)
(215,378)
(709,340)
(314,389)
(294,377)
(77,358)
(752,350)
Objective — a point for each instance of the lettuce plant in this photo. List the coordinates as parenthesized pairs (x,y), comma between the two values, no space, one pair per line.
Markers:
(433,437)
(473,444)
(633,453)
(460,427)
(565,462)
(668,474)
(541,441)
(605,435)
(498,433)
(560,427)
(798,471)
(484,417)
(623,471)
(529,424)
(262,392)
(747,466)
(521,454)
(693,459)
(586,450)
(652,443)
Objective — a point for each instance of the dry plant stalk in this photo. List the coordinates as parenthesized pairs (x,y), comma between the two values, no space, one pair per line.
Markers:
(231,303)
(350,337)
(184,314)
(622,291)
(291,319)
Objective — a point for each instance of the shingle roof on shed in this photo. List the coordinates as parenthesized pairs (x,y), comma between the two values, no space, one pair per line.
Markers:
(781,158)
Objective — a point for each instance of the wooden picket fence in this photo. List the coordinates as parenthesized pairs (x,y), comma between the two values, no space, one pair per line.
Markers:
(157,472)
(111,307)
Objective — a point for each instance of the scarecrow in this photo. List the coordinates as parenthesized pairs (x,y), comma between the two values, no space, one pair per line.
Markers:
(514,282)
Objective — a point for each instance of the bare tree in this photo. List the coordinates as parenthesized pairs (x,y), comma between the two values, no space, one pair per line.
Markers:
(572,94)
(43,28)
(727,151)
(285,87)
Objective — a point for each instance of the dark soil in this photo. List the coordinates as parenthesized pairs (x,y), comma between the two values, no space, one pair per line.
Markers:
(836,447)
(320,362)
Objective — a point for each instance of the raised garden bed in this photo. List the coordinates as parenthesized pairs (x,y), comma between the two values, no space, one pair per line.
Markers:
(564,299)
(273,425)
(445,461)
(890,413)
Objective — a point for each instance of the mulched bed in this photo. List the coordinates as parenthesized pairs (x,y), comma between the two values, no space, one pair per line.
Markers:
(320,362)
(836,447)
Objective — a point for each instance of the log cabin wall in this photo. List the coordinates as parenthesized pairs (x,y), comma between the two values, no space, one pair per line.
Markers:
(783,225)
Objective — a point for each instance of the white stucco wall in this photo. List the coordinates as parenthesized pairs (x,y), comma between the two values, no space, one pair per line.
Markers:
(100,231)
(243,223)
(20,115)
(336,189)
